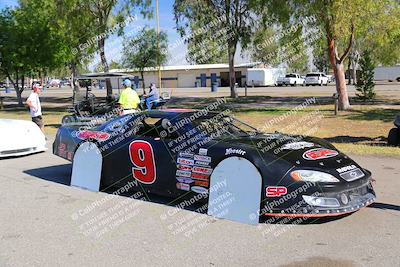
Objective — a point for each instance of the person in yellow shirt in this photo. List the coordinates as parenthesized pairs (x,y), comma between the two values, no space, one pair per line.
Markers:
(129,99)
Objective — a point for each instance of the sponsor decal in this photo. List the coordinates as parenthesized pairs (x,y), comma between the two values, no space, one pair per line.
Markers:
(99,136)
(203,151)
(319,153)
(185,155)
(184,180)
(185,161)
(202,163)
(183,186)
(201,183)
(202,158)
(183,173)
(199,190)
(199,176)
(275,191)
(297,145)
(352,175)
(230,151)
(202,170)
(185,167)
(346,168)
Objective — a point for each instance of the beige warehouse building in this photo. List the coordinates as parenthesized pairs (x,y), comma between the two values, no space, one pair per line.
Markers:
(187,76)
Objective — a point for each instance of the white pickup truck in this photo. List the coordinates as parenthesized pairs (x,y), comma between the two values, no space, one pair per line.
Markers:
(292,79)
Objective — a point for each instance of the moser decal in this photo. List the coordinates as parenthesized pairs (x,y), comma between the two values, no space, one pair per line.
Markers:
(202,170)
(238,151)
(203,151)
(185,161)
(319,153)
(202,163)
(185,167)
(199,176)
(202,158)
(185,155)
(346,168)
(297,145)
(352,175)
(183,186)
(184,180)
(199,190)
(201,183)
(276,191)
(99,136)
(183,173)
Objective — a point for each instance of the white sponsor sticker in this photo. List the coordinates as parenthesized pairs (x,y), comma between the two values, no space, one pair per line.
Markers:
(184,180)
(199,190)
(185,155)
(183,186)
(183,173)
(346,168)
(238,151)
(202,158)
(185,161)
(202,170)
(297,145)
(203,151)
(202,163)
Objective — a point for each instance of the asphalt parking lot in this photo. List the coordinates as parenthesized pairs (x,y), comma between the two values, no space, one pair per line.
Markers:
(45,222)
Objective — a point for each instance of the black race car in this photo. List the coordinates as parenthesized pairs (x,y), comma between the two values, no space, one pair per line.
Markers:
(179,152)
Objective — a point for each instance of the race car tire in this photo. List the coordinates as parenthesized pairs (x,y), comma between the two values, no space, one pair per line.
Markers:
(394,137)
(293,84)
(68,119)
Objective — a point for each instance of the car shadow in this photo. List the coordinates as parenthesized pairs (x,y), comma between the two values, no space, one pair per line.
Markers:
(61,174)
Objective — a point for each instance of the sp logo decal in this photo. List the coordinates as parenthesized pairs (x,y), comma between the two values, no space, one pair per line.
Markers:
(276,191)
(319,153)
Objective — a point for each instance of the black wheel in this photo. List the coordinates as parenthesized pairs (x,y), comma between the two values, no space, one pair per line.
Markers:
(68,119)
(394,137)
(398,79)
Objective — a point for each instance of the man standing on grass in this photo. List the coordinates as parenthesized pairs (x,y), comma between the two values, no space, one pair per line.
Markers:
(35,108)
(129,99)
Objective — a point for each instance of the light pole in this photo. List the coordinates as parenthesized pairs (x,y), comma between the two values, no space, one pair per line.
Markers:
(158,45)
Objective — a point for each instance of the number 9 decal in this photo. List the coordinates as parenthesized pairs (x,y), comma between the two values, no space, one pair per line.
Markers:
(142,158)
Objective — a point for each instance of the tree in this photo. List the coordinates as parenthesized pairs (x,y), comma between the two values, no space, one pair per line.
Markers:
(142,51)
(115,65)
(27,46)
(342,21)
(235,20)
(365,83)
(107,22)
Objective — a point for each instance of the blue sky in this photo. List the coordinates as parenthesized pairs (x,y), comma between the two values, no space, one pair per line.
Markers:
(167,24)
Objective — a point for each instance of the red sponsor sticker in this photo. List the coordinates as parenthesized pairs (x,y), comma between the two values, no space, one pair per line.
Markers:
(185,161)
(99,136)
(319,153)
(202,170)
(201,183)
(184,167)
(276,191)
(199,176)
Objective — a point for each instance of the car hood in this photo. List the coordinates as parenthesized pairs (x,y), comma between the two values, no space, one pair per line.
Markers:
(305,152)
(18,134)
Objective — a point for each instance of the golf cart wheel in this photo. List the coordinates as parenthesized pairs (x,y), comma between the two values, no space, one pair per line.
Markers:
(394,137)
(68,119)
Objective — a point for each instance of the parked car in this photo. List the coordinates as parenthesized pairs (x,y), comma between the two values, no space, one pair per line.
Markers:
(292,79)
(316,78)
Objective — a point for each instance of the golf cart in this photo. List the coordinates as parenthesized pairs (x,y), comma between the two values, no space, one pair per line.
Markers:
(394,133)
(86,107)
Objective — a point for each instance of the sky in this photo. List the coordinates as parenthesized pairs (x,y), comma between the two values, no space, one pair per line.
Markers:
(167,23)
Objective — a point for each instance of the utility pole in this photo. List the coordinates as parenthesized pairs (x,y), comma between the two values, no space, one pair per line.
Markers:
(158,45)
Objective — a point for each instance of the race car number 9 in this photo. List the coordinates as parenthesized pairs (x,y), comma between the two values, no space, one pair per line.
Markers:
(142,158)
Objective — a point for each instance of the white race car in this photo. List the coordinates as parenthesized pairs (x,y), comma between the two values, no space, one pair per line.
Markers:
(18,138)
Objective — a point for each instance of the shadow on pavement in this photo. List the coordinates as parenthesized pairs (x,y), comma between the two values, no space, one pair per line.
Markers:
(60,174)
(384,206)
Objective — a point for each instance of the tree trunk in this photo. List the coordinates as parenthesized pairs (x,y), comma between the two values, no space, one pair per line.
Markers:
(106,68)
(340,78)
(232,78)
(349,70)
(143,85)
(74,83)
